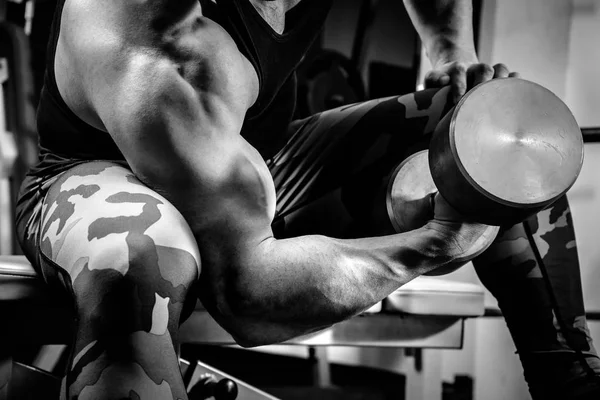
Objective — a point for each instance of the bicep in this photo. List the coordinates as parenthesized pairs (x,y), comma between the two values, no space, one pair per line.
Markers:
(187,146)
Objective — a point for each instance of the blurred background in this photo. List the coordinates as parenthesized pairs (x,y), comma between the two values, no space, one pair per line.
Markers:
(369,49)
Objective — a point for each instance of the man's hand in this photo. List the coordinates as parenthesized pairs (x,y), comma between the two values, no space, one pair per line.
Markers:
(465,240)
(443,211)
(463,76)
(446,30)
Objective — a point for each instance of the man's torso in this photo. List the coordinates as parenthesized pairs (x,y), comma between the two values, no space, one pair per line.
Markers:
(258,62)
(273,12)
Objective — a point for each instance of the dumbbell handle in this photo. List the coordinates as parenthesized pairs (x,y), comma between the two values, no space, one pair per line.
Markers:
(411,202)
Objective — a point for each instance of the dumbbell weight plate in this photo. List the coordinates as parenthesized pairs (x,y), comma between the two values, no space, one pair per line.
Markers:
(509,149)
(408,193)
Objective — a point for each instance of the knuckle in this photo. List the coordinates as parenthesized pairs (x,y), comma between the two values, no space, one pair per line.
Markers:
(486,69)
(460,67)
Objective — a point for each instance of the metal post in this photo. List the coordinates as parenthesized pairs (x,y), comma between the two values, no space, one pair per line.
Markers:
(8,156)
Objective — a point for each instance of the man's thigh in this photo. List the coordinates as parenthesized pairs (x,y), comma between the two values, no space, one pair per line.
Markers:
(330,174)
(96,211)
(98,218)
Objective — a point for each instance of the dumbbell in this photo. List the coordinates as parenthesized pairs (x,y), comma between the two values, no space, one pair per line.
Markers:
(509,149)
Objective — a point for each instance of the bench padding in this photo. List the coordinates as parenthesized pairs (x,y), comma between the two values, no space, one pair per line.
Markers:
(436,296)
(18,280)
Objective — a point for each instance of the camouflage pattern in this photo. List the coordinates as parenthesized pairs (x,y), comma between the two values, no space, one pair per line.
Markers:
(131,262)
(130,259)
(527,305)
(542,304)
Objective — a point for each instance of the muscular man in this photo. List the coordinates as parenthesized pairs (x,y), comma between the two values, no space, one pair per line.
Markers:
(169,170)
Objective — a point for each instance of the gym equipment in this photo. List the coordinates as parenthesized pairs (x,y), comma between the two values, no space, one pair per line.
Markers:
(411,187)
(426,313)
(329,79)
(208,386)
(509,149)
(18,141)
(206,382)
(591,134)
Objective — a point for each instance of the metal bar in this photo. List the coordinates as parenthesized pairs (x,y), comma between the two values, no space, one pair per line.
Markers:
(7,151)
(494,312)
(49,356)
(366,17)
(591,134)
(593,315)
(424,381)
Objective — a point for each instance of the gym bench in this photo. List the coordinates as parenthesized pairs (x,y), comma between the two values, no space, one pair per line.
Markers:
(427,313)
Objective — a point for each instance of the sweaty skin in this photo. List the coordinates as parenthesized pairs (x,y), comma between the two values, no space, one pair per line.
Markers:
(172,89)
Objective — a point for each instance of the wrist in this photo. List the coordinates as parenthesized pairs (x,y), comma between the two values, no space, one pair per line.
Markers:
(447,48)
(436,241)
(462,240)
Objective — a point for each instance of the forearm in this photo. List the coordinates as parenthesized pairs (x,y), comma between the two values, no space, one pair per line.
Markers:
(445,27)
(287,288)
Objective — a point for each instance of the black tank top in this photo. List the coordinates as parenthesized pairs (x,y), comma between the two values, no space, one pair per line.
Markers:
(64,137)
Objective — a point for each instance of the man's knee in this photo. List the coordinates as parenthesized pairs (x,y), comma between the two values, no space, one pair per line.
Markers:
(144,291)
(123,245)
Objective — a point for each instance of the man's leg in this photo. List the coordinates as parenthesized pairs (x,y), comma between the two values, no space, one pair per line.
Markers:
(327,179)
(533,271)
(129,260)
(331,174)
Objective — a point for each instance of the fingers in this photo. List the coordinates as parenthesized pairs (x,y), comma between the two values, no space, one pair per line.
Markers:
(479,73)
(458,80)
(501,71)
(462,79)
(443,211)
(436,79)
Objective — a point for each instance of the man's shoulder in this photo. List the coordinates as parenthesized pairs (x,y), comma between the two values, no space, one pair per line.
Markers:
(114,54)
(112,31)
